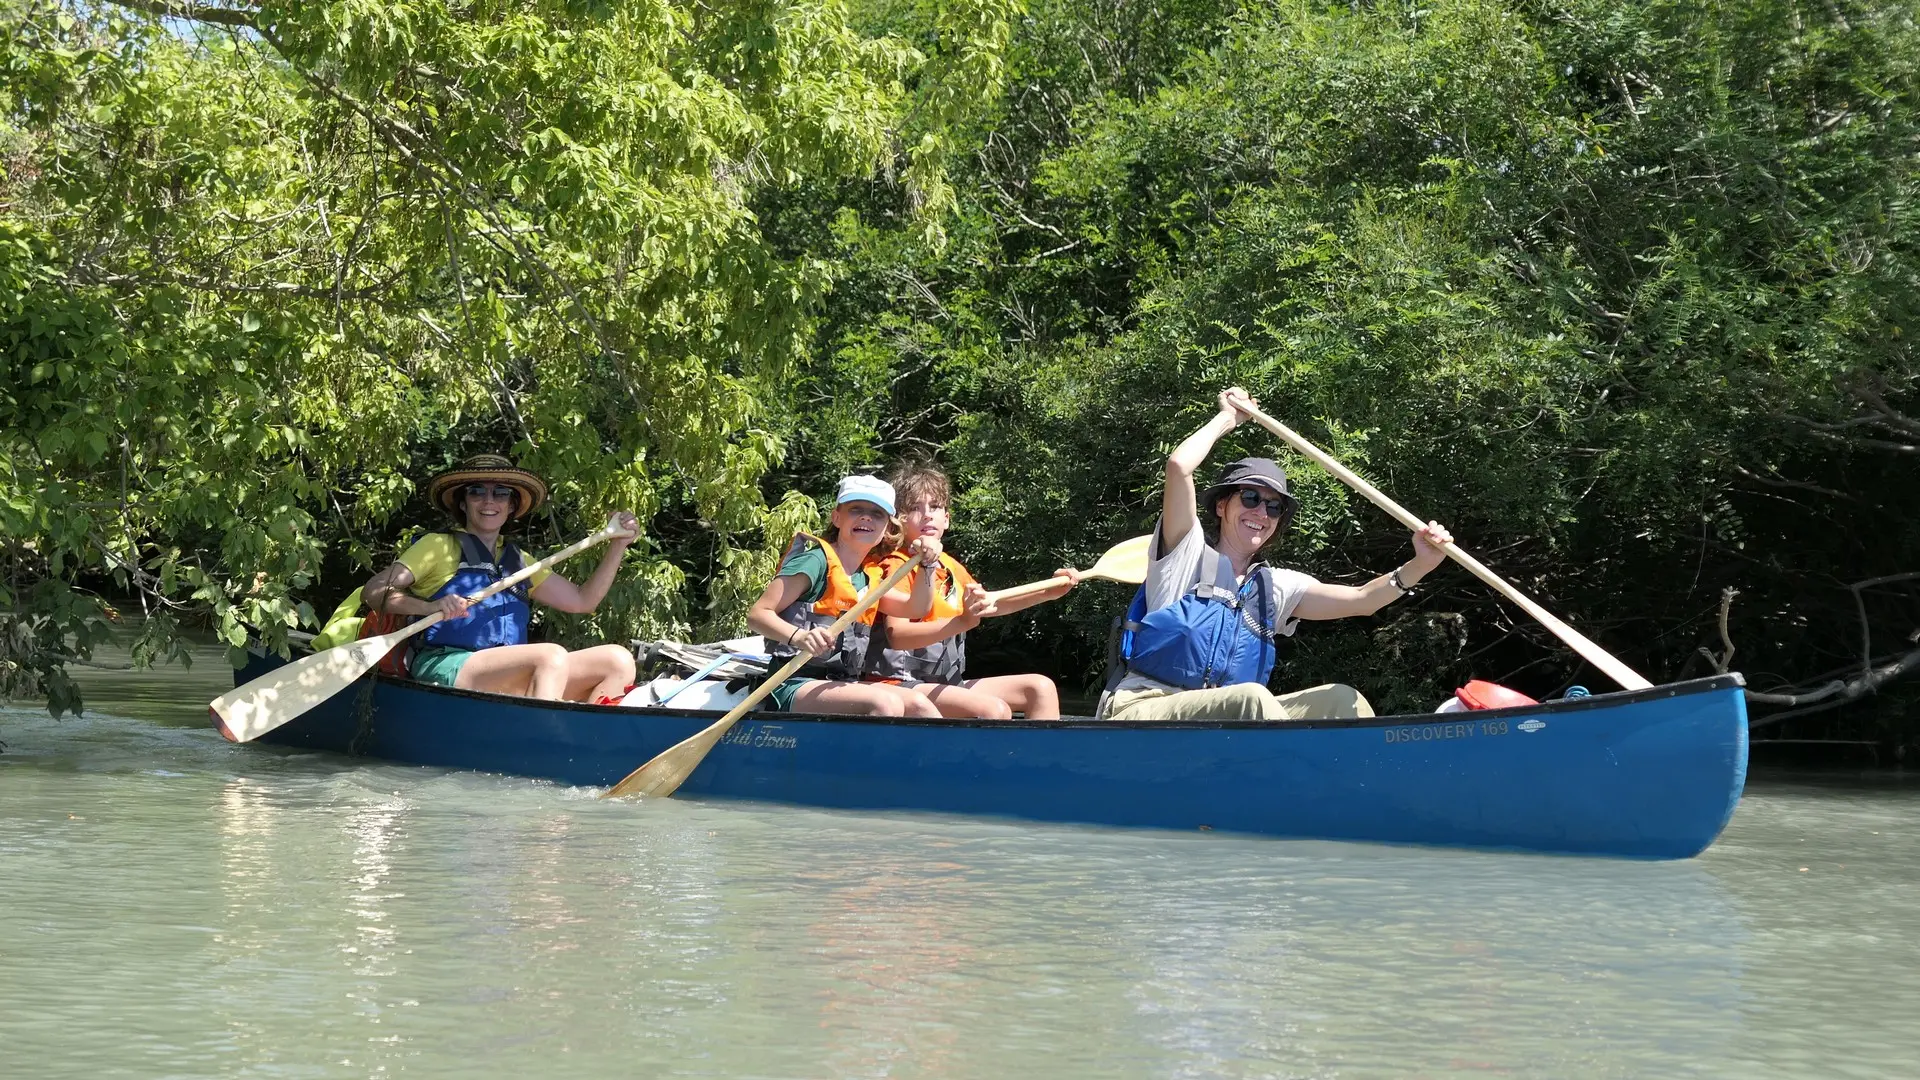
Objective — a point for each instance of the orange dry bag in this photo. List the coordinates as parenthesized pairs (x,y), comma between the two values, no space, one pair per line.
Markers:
(1481,694)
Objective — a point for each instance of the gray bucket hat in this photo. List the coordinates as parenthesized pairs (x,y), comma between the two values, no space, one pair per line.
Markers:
(1253,472)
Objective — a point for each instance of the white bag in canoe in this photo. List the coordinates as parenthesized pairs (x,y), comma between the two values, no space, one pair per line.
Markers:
(669,692)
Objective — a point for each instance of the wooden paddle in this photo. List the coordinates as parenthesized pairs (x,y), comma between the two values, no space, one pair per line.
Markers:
(670,768)
(248,712)
(1125,561)
(1594,654)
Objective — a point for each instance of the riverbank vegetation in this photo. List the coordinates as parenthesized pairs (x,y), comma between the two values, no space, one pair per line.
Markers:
(1621,292)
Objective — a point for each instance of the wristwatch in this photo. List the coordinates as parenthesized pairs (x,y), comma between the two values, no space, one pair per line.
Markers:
(1393,579)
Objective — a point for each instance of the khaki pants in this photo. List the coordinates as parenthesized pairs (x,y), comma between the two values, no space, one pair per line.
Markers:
(1241,701)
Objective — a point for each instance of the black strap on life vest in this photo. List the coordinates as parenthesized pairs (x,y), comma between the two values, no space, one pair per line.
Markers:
(475,556)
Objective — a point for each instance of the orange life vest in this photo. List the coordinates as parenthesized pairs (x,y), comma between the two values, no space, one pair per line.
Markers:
(837,598)
(943,661)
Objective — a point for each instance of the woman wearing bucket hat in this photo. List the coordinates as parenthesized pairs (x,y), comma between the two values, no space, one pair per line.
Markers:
(1198,642)
(822,577)
(484,646)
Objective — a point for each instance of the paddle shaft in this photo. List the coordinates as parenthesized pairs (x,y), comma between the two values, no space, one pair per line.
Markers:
(1125,561)
(1592,653)
(671,767)
(1042,585)
(1033,587)
(509,581)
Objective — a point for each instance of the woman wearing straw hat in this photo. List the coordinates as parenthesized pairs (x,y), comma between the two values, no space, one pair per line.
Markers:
(484,646)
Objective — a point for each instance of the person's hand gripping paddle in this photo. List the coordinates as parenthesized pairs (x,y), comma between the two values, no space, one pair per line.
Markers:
(670,768)
(1125,562)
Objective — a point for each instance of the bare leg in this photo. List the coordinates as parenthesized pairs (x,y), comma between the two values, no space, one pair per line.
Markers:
(1033,695)
(602,671)
(537,671)
(965,701)
(861,699)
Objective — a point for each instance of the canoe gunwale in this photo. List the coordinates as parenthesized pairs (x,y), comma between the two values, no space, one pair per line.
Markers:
(1710,684)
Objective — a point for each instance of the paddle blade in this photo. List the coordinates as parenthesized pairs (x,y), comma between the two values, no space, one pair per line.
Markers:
(248,712)
(1125,561)
(662,776)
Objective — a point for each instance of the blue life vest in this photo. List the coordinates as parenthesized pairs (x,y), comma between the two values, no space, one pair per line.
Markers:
(500,619)
(1216,634)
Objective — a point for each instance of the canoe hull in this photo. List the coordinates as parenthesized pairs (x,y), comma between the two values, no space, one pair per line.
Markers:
(1651,774)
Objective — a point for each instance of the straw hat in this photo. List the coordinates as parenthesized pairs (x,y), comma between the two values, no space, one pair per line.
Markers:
(449,487)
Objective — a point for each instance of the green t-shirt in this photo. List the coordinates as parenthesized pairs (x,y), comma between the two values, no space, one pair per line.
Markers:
(436,556)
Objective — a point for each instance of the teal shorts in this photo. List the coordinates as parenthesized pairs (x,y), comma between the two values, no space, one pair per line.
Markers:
(781,700)
(438,665)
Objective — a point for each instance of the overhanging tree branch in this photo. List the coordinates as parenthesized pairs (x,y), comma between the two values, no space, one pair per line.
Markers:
(187,9)
(1835,693)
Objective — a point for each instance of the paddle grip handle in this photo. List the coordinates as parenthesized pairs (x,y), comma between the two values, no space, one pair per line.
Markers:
(1591,652)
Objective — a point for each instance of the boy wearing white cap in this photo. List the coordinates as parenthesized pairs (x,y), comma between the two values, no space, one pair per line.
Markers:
(821,578)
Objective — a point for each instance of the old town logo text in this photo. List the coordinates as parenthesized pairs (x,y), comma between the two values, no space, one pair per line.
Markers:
(761,735)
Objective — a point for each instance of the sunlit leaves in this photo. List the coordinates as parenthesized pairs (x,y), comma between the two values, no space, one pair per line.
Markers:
(265,267)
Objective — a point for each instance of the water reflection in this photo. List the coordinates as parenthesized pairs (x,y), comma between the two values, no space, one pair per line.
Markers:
(171,905)
(1309,968)
(897,979)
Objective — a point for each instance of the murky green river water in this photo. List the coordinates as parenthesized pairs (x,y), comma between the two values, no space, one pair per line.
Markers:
(174,906)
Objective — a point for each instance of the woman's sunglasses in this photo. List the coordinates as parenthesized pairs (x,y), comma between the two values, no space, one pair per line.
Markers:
(481,491)
(1252,497)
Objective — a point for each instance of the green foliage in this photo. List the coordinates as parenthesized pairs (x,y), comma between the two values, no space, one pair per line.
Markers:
(265,268)
(1620,292)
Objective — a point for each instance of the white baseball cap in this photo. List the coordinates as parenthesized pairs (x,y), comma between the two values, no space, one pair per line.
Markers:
(862,488)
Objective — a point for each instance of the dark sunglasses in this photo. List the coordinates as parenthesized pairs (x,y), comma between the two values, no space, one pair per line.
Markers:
(1252,497)
(481,491)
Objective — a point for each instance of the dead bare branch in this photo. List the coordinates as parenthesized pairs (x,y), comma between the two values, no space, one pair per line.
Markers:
(1835,693)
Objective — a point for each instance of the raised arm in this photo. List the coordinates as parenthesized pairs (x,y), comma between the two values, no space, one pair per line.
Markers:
(1178,504)
(1323,601)
(562,595)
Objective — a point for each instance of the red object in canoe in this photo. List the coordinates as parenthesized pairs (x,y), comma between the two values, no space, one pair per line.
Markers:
(1481,694)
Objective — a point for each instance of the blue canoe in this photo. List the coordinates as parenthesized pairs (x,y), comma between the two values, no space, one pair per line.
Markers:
(1651,773)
